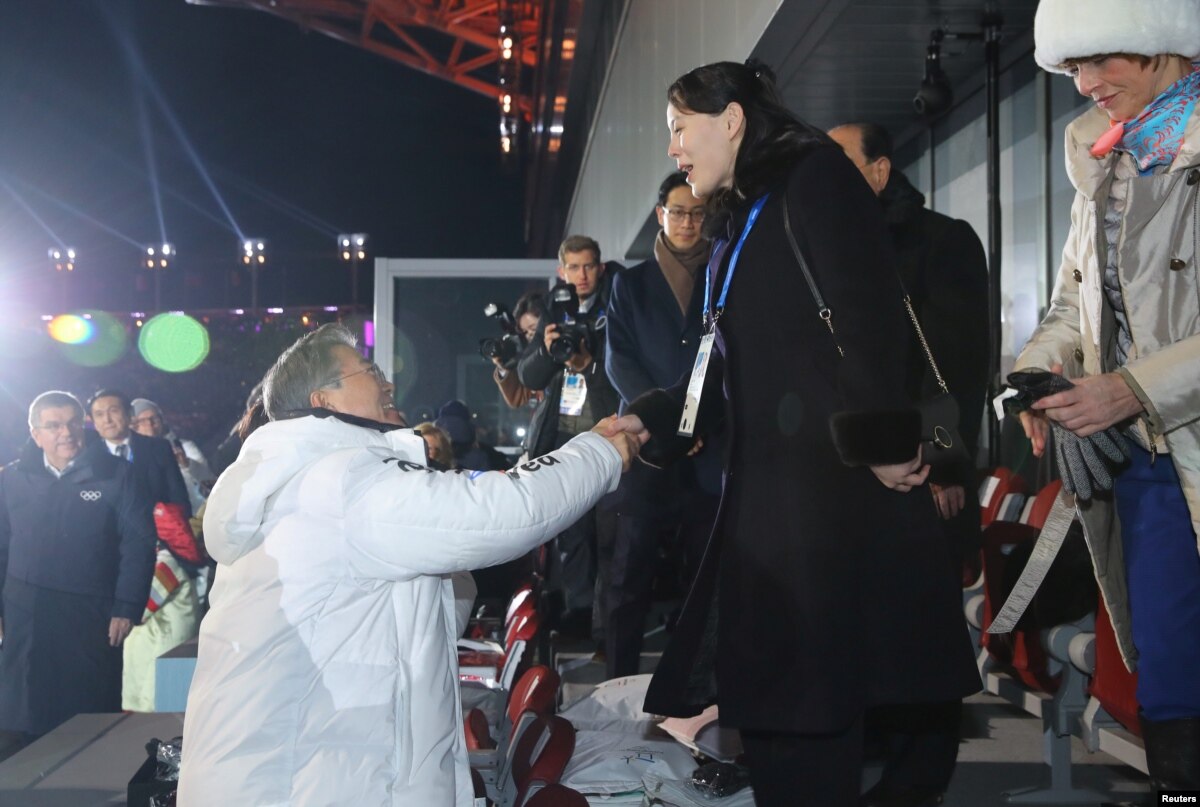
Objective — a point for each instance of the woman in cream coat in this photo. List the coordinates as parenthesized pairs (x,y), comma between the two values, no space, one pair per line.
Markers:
(1125,321)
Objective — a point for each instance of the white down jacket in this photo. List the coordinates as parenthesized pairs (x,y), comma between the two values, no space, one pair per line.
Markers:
(327,665)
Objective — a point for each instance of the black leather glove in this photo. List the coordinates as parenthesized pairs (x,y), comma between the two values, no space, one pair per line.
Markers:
(1084,463)
(1030,386)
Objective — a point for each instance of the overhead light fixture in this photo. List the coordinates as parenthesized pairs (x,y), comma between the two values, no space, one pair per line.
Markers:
(935,96)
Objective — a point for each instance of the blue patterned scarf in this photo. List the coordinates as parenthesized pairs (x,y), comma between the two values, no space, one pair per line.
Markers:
(1155,136)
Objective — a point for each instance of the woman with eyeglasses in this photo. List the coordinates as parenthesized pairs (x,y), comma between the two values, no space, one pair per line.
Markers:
(825,588)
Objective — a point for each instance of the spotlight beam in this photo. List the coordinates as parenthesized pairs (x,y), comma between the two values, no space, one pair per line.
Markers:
(142,75)
(53,235)
(289,208)
(151,165)
(80,214)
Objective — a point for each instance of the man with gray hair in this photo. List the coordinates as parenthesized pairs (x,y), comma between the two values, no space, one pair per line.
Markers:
(327,667)
(148,421)
(76,556)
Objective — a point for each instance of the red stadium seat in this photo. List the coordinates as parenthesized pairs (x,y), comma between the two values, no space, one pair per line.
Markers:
(536,691)
(537,761)
(995,492)
(1020,652)
(1037,508)
(1113,685)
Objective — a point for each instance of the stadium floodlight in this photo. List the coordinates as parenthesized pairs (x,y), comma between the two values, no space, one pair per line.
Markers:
(62,258)
(352,247)
(159,256)
(254,257)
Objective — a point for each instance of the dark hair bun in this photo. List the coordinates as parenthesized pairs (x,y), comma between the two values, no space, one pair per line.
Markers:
(761,71)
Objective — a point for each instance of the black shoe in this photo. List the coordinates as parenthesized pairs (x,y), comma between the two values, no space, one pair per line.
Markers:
(1172,752)
(883,795)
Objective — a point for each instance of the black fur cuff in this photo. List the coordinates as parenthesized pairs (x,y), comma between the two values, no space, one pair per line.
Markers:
(876,437)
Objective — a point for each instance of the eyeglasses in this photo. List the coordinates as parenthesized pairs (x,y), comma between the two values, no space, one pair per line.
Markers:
(678,214)
(54,426)
(147,420)
(373,369)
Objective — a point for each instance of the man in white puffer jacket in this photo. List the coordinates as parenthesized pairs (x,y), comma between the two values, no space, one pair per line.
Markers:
(327,665)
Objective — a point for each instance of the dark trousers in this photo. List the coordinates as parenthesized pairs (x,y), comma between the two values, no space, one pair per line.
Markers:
(920,742)
(576,557)
(632,567)
(805,770)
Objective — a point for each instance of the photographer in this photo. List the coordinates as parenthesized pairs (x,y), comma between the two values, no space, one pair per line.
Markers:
(566,360)
(526,314)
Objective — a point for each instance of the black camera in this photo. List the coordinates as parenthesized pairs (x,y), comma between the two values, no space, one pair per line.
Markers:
(506,347)
(562,307)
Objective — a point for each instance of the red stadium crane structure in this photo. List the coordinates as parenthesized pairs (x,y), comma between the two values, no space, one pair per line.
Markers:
(478,44)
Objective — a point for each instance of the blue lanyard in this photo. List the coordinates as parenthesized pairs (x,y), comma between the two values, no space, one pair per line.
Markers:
(710,315)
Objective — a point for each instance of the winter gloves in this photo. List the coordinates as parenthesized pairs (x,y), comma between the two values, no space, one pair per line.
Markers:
(1085,463)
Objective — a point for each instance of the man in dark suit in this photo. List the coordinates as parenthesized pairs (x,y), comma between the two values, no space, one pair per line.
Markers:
(76,560)
(154,465)
(654,327)
(943,267)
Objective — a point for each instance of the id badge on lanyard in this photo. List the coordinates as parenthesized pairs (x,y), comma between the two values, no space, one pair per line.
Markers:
(574,394)
(695,388)
(691,404)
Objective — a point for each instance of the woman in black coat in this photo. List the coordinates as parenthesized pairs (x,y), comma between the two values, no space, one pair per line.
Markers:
(824,588)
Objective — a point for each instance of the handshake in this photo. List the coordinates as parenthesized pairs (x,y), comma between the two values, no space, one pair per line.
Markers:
(627,435)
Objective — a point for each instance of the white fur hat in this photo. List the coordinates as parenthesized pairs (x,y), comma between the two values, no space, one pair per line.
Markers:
(1072,29)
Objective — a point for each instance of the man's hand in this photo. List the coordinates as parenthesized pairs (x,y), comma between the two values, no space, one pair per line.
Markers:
(118,629)
(581,360)
(903,476)
(578,362)
(949,500)
(626,441)
(625,423)
(1092,405)
(180,457)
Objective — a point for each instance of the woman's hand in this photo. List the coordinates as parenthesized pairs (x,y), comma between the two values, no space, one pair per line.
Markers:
(949,499)
(904,476)
(1092,405)
(1037,429)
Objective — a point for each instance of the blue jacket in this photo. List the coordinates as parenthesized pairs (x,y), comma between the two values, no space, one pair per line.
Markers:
(90,532)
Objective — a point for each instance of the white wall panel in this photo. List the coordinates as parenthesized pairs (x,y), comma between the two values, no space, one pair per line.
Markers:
(626,157)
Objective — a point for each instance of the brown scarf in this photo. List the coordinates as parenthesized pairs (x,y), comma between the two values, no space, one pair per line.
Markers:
(679,268)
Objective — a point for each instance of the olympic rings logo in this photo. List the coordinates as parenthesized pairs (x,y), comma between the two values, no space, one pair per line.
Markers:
(90,495)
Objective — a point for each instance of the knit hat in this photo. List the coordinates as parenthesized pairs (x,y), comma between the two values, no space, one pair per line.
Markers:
(141,405)
(1075,29)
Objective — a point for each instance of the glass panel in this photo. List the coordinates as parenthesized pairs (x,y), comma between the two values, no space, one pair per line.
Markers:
(438,324)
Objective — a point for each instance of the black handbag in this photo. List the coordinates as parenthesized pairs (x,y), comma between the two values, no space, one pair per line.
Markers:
(941,444)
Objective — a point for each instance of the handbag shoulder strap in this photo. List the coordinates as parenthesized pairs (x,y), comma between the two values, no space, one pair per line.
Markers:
(823,311)
(941,382)
(827,315)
